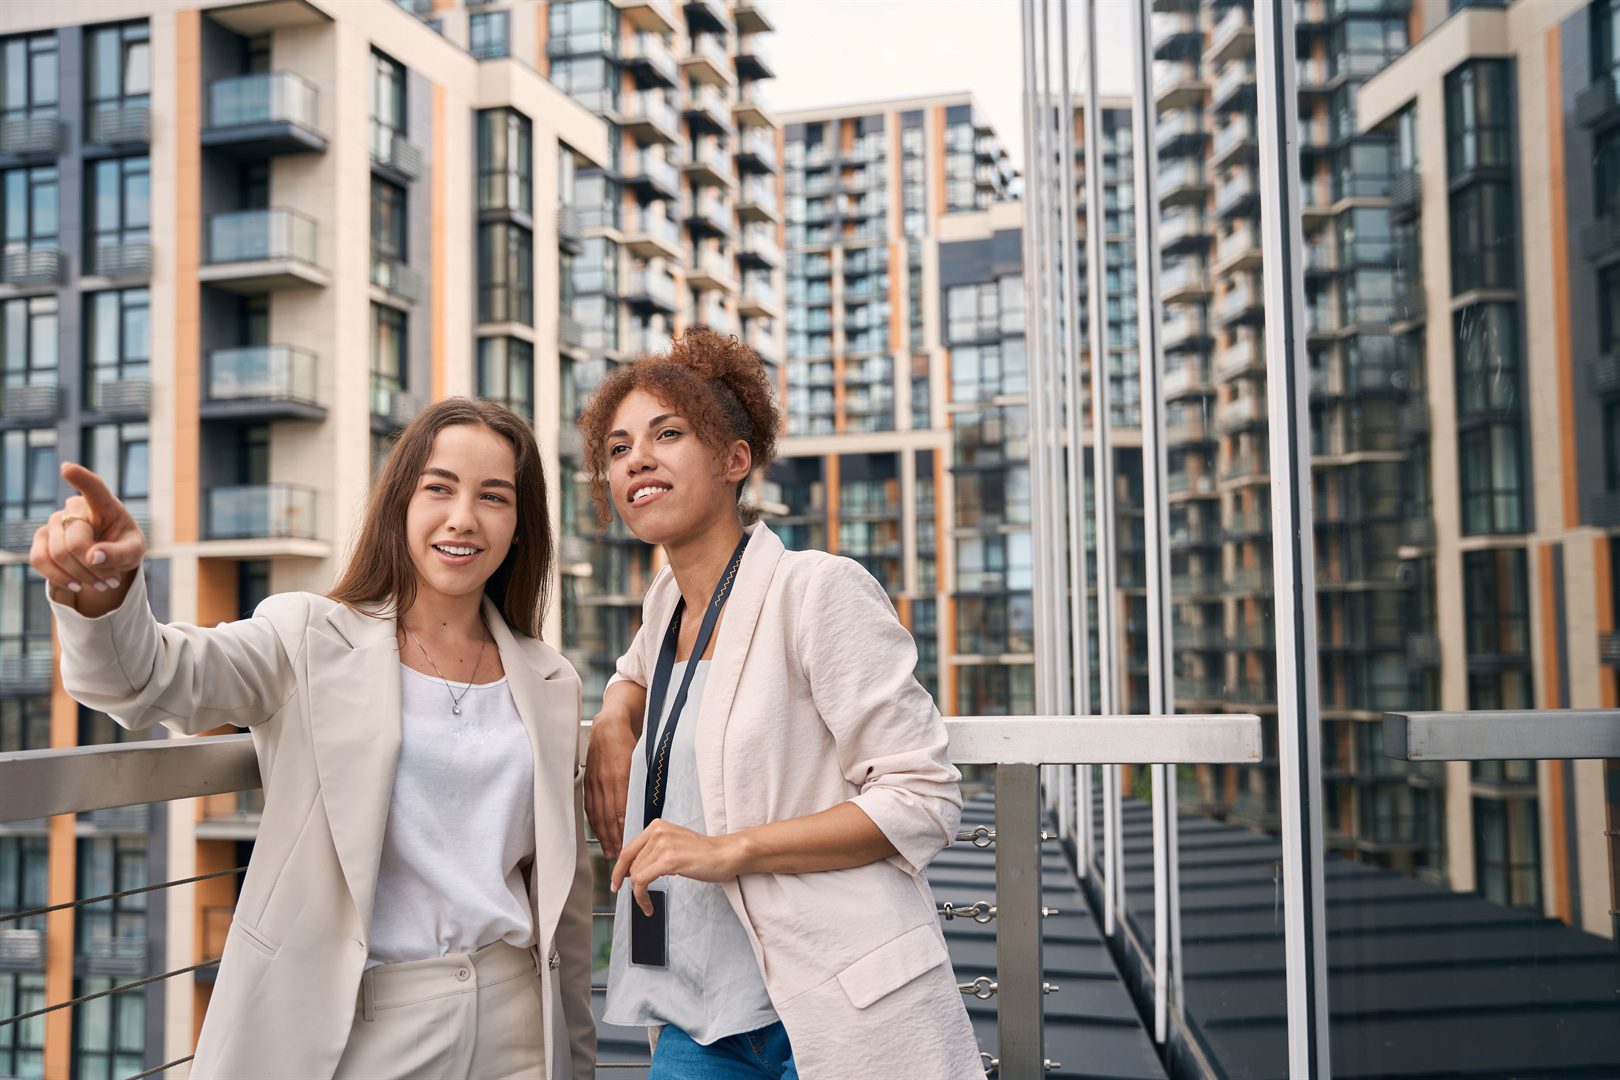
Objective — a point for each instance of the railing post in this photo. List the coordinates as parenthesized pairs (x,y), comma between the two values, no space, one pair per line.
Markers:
(1019,973)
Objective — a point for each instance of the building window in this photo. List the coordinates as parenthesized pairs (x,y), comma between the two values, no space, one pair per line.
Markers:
(30,208)
(106,865)
(1507,852)
(593,81)
(109,1033)
(28,337)
(120,62)
(1606,40)
(121,204)
(1479,117)
(1361,47)
(28,483)
(506,373)
(25,641)
(117,335)
(388,234)
(1483,239)
(972,313)
(25,722)
(28,85)
(1606,169)
(487,34)
(1489,417)
(387,105)
(22,1046)
(505,161)
(1497,602)
(389,358)
(119,454)
(581,26)
(505,273)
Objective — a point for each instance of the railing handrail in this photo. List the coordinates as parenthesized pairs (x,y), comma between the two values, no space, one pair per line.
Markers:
(1504,734)
(42,783)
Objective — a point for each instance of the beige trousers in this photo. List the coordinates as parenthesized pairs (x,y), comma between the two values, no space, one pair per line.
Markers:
(468,1016)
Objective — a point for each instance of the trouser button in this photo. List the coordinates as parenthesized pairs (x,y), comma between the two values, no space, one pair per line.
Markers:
(462,974)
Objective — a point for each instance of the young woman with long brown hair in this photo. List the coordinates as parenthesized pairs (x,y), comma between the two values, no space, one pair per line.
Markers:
(418,900)
(790,783)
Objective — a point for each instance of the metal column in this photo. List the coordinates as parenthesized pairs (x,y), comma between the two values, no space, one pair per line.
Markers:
(1150,350)
(1293,545)
(1020,1028)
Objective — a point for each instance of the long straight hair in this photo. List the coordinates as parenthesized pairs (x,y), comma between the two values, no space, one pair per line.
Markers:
(380,578)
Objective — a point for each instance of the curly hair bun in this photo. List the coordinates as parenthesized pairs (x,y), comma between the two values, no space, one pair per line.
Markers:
(744,391)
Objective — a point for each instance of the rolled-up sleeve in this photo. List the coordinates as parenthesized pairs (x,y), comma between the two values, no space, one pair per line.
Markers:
(891,740)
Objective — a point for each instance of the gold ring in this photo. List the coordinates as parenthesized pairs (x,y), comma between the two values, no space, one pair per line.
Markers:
(67,518)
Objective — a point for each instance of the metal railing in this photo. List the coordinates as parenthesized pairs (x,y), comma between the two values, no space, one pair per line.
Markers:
(43,783)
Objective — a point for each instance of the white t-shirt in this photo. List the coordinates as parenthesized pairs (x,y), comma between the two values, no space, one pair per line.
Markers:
(460,826)
(712,987)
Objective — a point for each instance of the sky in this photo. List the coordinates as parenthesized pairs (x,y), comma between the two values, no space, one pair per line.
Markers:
(831,52)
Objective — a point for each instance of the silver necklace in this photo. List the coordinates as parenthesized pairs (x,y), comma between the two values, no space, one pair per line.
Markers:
(455,702)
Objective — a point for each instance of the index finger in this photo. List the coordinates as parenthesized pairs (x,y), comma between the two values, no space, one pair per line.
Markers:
(103,504)
(621,866)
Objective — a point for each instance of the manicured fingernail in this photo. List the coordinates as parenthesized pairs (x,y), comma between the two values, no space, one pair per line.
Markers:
(101,586)
(97,558)
(112,583)
(74,586)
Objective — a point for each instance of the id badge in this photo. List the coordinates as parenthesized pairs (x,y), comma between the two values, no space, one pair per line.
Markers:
(649,934)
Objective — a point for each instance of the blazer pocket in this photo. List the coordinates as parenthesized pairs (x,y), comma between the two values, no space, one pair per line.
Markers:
(255,939)
(891,966)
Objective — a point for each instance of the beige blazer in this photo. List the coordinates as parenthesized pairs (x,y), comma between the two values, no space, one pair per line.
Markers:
(811,702)
(317,684)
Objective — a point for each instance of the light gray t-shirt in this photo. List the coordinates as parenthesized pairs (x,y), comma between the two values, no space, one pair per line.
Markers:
(712,987)
(460,826)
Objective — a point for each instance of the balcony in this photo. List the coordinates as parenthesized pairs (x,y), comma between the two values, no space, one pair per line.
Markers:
(1418,532)
(1183,229)
(260,383)
(651,289)
(712,270)
(1405,192)
(396,278)
(570,230)
(1185,331)
(1600,239)
(1178,85)
(751,107)
(1603,373)
(400,159)
(1238,250)
(270,113)
(706,213)
(1183,183)
(650,61)
(27,674)
(654,16)
(759,247)
(650,119)
(653,236)
(118,123)
(1410,303)
(1233,37)
(756,150)
(121,260)
(757,201)
(253,251)
(651,175)
(1237,137)
(391,407)
(710,164)
(1245,355)
(751,18)
(758,298)
(1239,413)
(707,109)
(1598,103)
(1185,282)
(21,949)
(1244,468)
(41,404)
(570,333)
(1234,88)
(115,956)
(708,17)
(124,398)
(1188,380)
(1241,303)
(1196,485)
(38,135)
(758,336)
(708,62)
(1187,428)
(1236,194)
(259,512)
(1180,133)
(36,268)
(1412,421)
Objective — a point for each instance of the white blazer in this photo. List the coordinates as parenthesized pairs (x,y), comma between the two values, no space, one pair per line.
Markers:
(317,684)
(811,702)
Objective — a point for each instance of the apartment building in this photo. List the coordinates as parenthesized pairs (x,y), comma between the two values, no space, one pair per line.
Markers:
(682,227)
(243,244)
(1504,201)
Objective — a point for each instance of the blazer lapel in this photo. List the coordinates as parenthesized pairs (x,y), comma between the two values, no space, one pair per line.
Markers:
(354,707)
(550,709)
(725,671)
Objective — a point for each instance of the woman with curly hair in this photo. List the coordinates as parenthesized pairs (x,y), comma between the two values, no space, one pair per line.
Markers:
(790,783)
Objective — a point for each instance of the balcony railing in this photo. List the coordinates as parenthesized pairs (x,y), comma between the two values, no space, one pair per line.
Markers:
(35,268)
(31,404)
(121,259)
(395,152)
(259,512)
(396,277)
(117,122)
(261,236)
(26,674)
(274,97)
(38,133)
(120,397)
(260,373)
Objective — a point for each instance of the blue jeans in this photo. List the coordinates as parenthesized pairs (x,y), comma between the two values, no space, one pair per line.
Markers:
(753,1054)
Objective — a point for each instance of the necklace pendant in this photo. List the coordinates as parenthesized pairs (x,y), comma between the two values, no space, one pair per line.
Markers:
(455,710)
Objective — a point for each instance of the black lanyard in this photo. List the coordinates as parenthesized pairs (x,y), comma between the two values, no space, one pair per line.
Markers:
(658,757)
